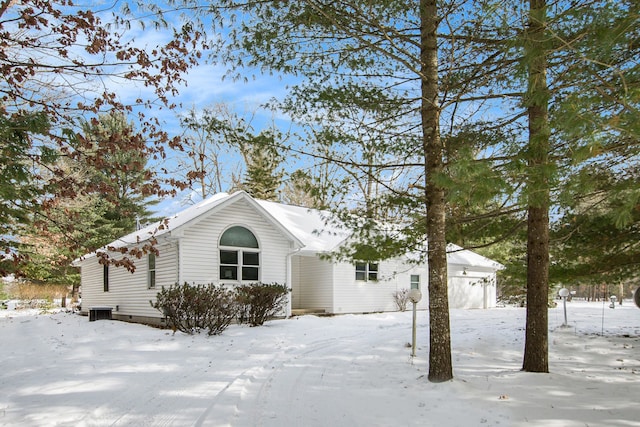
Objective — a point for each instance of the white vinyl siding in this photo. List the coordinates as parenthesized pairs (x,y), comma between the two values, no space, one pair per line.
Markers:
(354,296)
(201,254)
(313,283)
(194,259)
(190,253)
(128,291)
(471,287)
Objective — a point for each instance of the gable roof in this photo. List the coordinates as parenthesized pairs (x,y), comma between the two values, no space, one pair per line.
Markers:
(460,256)
(303,226)
(307,228)
(308,225)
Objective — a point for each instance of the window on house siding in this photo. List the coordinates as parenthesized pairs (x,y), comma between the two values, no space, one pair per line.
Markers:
(151,279)
(415,281)
(366,271)
(228,265)
(240,237)
(105,278)
(250,265)
(239,255)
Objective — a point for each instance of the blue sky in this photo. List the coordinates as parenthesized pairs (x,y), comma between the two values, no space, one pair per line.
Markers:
(205,87)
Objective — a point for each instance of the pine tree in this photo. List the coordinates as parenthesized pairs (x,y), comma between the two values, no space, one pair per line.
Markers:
(19,189)
(538,190)
(118,171)
(574,61)
(263,176)
(113,203)
(559,95)
(360,61)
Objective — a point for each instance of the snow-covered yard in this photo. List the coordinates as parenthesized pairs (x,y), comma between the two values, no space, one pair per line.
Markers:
(352,370)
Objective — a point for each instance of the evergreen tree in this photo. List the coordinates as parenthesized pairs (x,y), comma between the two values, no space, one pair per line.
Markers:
(575,62)
(592,243)
(19,189)
(262,176)
(538,189)
(112,205)
(61,60)
(560,90)
(382,58)
(599,123)
(119,175)
(224,133)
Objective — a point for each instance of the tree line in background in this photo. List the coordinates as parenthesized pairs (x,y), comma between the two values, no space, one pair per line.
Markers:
(506,127)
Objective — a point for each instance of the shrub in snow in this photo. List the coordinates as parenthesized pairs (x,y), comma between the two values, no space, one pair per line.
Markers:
(401,299)
(176,304)
(190,309)
(257,302)
(219,310)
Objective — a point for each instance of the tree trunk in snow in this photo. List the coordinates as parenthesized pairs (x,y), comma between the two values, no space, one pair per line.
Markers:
(536,340)
(440,368)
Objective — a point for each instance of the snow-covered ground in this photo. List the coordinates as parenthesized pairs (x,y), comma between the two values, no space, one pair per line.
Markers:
(352,370)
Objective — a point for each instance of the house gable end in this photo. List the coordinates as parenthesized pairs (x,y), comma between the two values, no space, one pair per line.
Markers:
(228,202)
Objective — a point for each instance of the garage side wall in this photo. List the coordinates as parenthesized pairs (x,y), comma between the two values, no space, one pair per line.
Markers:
(471,288)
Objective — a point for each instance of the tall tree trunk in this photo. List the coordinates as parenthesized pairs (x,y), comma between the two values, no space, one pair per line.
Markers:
(439,330)
(536,357)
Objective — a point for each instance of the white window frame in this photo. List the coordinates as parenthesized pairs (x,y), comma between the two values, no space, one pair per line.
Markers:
(239,266)
(365,271)
(151,270)
(414,281)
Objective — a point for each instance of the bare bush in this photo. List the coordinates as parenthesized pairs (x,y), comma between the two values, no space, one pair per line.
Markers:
(401,298)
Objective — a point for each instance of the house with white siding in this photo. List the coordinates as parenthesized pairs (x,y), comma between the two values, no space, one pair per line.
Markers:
(234,238)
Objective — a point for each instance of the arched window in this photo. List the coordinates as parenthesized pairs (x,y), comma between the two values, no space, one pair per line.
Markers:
(240,237)
(239,255)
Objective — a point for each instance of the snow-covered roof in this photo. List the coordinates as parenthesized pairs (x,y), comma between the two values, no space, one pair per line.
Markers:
(308,228)
(460,256)
(308,225)
(170,223)
(305,226)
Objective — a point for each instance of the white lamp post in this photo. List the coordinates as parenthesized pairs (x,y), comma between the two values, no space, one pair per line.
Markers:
(415,296)
(564,293)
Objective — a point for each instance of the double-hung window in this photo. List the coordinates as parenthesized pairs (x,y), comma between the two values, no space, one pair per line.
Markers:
(415,281)
(366,271)
(239,255)
(105,278)
(151,277)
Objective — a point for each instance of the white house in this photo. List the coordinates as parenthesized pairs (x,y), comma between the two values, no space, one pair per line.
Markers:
(235,238)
